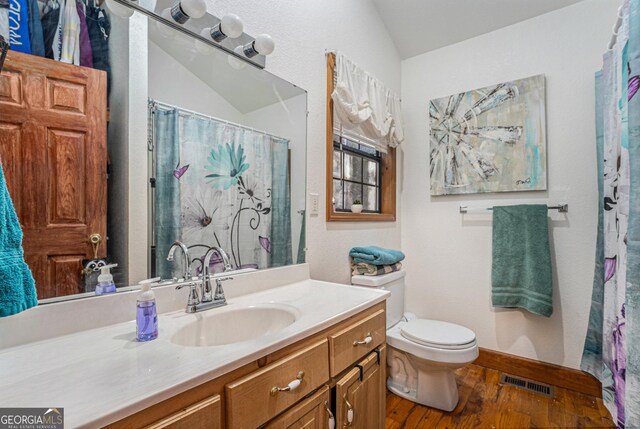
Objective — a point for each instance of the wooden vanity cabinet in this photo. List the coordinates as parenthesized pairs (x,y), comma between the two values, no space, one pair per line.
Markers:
(330,360)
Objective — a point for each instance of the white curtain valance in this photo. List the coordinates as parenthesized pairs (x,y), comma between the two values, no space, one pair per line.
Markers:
(364,106)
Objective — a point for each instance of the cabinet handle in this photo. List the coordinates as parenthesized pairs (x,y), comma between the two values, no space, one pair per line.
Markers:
(332,419)
(364,342)
(349,411)
(291,386)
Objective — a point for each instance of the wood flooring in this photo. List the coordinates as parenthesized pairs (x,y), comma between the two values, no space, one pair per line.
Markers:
(485,403)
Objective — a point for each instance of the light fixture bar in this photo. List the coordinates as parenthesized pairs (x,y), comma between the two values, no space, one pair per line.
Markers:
(189,32)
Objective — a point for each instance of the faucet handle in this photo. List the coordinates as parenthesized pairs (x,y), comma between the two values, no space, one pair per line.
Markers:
(219,293)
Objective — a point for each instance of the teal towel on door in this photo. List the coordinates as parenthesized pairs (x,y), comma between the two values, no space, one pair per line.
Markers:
(521,268)
(375,255)
(17,288)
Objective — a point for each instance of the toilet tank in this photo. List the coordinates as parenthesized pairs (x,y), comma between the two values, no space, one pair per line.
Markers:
(394,283)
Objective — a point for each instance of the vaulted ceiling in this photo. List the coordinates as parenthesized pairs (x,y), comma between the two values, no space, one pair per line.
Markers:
(418,26)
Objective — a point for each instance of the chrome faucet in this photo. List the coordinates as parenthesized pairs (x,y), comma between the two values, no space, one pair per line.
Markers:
(185,254)
(206,281)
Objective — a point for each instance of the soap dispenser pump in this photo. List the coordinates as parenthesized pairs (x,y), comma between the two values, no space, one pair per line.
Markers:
(105,280)
(146,313)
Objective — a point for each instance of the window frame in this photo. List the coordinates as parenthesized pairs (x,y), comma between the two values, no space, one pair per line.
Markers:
(387,172)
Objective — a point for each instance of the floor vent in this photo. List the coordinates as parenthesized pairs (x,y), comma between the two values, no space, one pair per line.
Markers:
(532,386)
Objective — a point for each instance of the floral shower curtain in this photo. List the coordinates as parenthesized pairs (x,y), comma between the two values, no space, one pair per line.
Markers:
(612,347)
(219,184)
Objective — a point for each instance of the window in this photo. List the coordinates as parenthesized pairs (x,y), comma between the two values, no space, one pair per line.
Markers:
(356,175)
(356,171)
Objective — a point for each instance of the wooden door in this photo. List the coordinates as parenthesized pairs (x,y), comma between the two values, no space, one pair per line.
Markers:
(53,151)
(360,394)
(311,413)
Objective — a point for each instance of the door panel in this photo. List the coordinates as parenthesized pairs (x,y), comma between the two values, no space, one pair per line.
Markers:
(53,151)
(67,176)
(10,88)
(10,137)
(361,393)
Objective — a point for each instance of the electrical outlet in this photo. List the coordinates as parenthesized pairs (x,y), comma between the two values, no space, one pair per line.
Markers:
(314,204)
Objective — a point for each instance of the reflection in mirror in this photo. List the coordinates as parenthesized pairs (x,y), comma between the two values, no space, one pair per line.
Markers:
(161,138)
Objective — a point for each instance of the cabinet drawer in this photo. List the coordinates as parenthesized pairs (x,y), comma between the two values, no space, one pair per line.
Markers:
(344,347)
(202,415)
(250,400)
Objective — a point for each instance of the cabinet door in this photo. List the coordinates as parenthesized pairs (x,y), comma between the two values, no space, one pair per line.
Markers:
(205,414)
(360,394)
(312,413)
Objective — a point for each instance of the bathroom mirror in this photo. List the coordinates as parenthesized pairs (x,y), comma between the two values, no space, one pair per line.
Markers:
(179,141)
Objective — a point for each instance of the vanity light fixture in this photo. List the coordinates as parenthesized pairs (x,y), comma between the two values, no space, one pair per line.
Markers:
(230,26)
(263,45)
(185,9)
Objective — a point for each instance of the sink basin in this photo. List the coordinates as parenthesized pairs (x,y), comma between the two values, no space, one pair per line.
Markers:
(217,327)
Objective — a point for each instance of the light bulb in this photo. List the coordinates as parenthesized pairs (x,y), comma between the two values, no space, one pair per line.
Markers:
(235,62)
(185,9)
(119,9)
(263,45)
(230,26)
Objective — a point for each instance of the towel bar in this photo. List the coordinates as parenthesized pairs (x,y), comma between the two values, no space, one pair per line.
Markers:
(562,208)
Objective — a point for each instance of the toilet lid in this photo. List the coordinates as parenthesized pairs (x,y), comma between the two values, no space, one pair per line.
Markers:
(435,333)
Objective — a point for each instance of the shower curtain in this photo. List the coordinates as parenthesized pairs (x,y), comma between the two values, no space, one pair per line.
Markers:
(219,184)
(612,346)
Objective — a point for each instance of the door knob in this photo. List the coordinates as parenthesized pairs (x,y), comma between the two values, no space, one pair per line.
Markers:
(95,239)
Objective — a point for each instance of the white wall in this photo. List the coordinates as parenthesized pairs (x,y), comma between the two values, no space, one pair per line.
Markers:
(449,256)
(191,93)
(126,229)
(303,31)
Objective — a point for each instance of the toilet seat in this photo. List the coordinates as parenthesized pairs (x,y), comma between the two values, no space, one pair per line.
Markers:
(438,334)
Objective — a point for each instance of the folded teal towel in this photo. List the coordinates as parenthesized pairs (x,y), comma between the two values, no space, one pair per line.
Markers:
(521,268)
(376,255)
(17,288)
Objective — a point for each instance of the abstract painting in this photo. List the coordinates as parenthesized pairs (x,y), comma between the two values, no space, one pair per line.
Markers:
(491,139)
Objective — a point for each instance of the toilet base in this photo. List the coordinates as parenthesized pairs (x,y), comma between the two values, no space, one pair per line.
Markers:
(435,390)
(424,382)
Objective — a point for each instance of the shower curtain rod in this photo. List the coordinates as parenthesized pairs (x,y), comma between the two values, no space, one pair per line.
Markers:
(562,208)
(211,118)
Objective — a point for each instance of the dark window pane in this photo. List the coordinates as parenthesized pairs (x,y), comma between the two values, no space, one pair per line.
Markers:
(349,143)
(370,198)
(337,164)
(370,172)
(352,167)
(368,149)
(337,194)
(352,192)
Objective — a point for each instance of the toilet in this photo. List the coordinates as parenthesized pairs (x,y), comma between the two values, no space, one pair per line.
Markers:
(422,354)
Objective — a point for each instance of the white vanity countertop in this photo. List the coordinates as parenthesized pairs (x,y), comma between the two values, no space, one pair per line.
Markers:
(102,375)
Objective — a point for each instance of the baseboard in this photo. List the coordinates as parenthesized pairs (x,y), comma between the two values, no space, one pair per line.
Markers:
(543,372)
